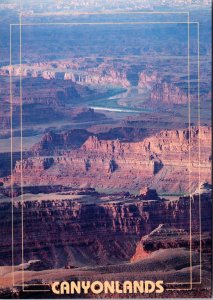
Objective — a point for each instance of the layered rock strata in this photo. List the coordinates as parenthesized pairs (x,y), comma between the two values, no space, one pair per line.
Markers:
(169,161)
(96,229)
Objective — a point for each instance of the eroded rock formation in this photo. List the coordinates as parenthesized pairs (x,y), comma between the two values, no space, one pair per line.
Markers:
(97,229)
(167,94)
(169,161)
(101,74)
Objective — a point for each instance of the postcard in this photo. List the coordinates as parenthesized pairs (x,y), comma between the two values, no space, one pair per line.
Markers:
(105,149)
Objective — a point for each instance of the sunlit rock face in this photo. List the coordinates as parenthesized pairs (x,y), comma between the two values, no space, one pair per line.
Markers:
(169,161)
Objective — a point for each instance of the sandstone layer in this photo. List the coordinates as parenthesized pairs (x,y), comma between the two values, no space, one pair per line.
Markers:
(169,161)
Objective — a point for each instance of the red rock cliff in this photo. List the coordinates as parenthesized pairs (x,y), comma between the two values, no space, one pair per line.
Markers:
(169,161)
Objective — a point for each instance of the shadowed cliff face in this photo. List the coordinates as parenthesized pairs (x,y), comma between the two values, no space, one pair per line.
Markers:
(93,230)
(160,161)
(51,142)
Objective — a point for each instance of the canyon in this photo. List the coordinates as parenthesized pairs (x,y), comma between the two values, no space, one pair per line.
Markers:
(88,228)
(104,71)
(93,236)
(53,90)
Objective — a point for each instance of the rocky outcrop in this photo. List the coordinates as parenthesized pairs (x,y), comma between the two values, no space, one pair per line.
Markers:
(162,92)
(148,80)
(162,237)
(160,161)
(167,94)
(53,142)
